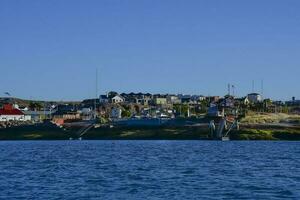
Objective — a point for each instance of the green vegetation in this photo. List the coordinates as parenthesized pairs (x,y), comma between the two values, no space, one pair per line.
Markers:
(262,118)
(34,132)
(269,134)
(51,132)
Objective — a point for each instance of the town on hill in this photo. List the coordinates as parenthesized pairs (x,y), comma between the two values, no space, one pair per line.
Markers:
(151,110)
(136,105)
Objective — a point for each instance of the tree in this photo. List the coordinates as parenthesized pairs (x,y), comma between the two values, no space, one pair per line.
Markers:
(35,106)
(126,114)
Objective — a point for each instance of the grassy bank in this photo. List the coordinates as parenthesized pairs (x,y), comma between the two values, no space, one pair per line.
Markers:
(262,118)
(291,134)
(34,132)
(41,132)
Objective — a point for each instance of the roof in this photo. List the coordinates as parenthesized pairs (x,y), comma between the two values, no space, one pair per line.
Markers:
(256,94)
(103,97)
(118,96)
(9,110)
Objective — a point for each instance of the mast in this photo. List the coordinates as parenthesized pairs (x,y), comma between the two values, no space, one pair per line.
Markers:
(96,92)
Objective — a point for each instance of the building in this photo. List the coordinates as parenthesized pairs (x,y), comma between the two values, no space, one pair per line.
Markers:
(117,99)
(160,101)
(228,102)
(116,113)
(213,111)
(87,114)
(9,113)
(173,99)
(244,101)
(255,98)
(197,98)
(137,98)
(186,99)
(38,115)
(212,99)
(293,102)
(103,99)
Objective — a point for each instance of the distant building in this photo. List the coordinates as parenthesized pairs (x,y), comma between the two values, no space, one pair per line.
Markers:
(212,99)
(228,102)
(294,102)
(198,98)
(116,113)
(117,99)
(213,111)
(9,113)
(38,115)
(186,99)
(255,98)
(160,100)
(242,101)
(87,113)
(137,98)
(173,99)
(67,112)
(103,99)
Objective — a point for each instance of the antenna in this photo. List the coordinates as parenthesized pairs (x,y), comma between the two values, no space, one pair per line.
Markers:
(262,87)
(233,90)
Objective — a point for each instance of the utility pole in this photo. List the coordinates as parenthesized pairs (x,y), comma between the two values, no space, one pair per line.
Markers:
(95,106)
(262,88)
(229,89)
(233,90)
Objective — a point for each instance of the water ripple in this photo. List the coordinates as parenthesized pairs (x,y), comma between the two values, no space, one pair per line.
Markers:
(149,170)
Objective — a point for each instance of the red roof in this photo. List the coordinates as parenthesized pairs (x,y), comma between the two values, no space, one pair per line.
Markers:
(9,110)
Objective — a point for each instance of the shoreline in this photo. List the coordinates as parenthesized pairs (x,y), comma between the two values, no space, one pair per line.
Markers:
(284,132)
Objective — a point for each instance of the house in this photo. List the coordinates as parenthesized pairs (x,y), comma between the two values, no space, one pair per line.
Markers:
(293,102)
(255,98)
(87,113)
(38,115)
(160,100)
(137,98)
(116,113)
(197,98)
(227,102)
(143,100)
(67,112)
(103,99)
(187,99)
(117,99)
(213,111)
(212,99)
(173,99)
(9,113)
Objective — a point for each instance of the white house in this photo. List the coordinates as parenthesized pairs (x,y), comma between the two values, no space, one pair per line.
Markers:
(9,113)
(117,99)
(255,98)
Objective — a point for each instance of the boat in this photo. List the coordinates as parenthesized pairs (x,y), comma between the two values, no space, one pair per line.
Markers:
(225,139)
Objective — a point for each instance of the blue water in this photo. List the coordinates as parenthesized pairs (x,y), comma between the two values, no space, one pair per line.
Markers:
(149,170)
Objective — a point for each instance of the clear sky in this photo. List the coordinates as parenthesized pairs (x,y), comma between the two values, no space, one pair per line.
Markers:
(51,49)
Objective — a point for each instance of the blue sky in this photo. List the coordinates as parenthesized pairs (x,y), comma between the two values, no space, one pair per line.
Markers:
(51,49)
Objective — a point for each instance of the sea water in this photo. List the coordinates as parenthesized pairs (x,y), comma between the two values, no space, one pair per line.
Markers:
(149,170)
